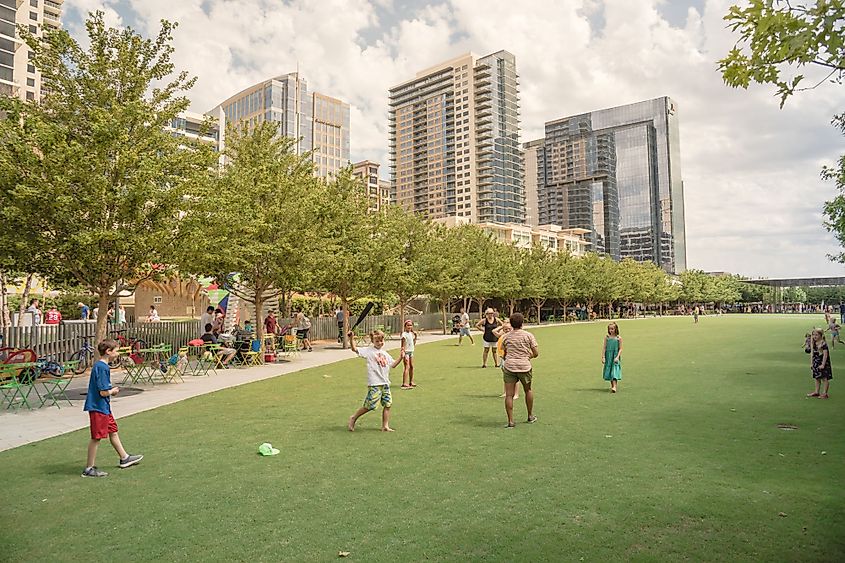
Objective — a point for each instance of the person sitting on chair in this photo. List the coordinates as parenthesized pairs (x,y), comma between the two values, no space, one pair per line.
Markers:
(226,354)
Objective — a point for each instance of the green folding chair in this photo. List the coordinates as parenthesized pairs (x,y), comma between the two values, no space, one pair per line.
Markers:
(55,387)
(14,391)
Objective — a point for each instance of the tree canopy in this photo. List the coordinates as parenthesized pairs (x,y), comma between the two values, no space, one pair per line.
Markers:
(90,180)
(778,42)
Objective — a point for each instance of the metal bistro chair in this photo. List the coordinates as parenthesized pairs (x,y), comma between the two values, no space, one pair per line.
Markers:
(289,346)
(253,356)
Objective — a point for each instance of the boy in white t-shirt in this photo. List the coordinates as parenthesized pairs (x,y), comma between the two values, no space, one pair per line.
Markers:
(379,364)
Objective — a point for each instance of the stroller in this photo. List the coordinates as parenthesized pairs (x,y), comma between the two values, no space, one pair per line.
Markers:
(456,321)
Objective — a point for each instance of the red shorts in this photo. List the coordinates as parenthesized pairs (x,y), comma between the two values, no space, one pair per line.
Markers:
(101,425)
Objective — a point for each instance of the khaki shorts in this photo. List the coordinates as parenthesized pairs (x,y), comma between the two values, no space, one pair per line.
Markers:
(523,377)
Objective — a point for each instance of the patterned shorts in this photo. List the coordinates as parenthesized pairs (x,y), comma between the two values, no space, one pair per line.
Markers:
(376,393)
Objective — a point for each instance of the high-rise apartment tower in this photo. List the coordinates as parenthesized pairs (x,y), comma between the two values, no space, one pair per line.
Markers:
(18,77)
(454,141)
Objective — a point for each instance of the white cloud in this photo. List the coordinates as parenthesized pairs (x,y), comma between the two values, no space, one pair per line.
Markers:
(753,194)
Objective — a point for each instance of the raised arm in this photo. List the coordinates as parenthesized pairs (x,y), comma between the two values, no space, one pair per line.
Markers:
(352,346)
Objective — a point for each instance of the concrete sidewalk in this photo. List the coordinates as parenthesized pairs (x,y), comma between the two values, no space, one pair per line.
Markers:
(24,427)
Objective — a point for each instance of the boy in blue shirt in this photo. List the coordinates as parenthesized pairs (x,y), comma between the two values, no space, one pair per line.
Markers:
(98,405)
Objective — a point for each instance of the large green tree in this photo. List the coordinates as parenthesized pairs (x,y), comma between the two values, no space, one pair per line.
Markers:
(256,220)
(347,261)
(778,42)
(90,178)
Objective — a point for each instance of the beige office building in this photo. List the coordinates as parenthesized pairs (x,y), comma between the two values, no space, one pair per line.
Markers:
(18,77)
(318,121)
(454,141)
(378,191)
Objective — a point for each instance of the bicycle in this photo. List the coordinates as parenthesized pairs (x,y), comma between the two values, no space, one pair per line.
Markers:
(134,344)
(85,355)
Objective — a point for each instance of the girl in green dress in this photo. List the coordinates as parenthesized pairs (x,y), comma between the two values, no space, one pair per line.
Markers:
(610,356)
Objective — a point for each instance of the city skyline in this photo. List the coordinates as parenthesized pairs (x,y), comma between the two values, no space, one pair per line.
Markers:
(751,171)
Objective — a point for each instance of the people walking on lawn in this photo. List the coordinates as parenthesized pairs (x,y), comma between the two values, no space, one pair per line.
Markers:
(834,328)
(519,347)
(820,364)
(500,334)
(488,324)
(611,356)
(98,406)
(695,313)
(464,328)
(379,364)
(406,352)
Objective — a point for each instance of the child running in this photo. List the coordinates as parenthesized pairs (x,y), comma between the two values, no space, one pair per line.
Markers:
(409,339)
(98,405)
(611,355)
(379,364)
(500,334)
(834,329)
(820,364)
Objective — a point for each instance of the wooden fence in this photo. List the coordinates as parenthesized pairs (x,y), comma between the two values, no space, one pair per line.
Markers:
(59,342)
(325,328)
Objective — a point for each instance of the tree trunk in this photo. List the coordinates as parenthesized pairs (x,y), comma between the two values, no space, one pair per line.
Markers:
(480,301)
(259,321)
(402,302)
(25,297)
(3,300)
(444,304)
(565,316)
(102,319)
(344,303)
(511,306)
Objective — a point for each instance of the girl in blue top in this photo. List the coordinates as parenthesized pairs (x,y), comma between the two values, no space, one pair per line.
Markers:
(611,356)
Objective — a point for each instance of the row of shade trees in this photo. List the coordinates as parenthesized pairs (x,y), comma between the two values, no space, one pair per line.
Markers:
(96,194)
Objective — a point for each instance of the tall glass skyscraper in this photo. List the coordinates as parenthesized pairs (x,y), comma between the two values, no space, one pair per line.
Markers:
(454,141)
(616,172)
(320,122)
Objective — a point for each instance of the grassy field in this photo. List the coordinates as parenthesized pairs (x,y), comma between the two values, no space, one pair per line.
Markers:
(685,462)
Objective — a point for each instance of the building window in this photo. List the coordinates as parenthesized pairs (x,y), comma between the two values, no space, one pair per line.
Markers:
(30,82)
(30,69)
(33,3)
(30,96)
(157,299)
(33,16)
(33,29)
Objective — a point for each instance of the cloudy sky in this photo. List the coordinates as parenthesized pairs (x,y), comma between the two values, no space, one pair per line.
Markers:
(751,170)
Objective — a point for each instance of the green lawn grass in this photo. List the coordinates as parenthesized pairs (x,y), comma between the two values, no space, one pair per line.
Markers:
(685,462)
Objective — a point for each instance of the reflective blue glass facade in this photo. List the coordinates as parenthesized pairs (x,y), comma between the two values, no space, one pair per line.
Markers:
(629,158)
